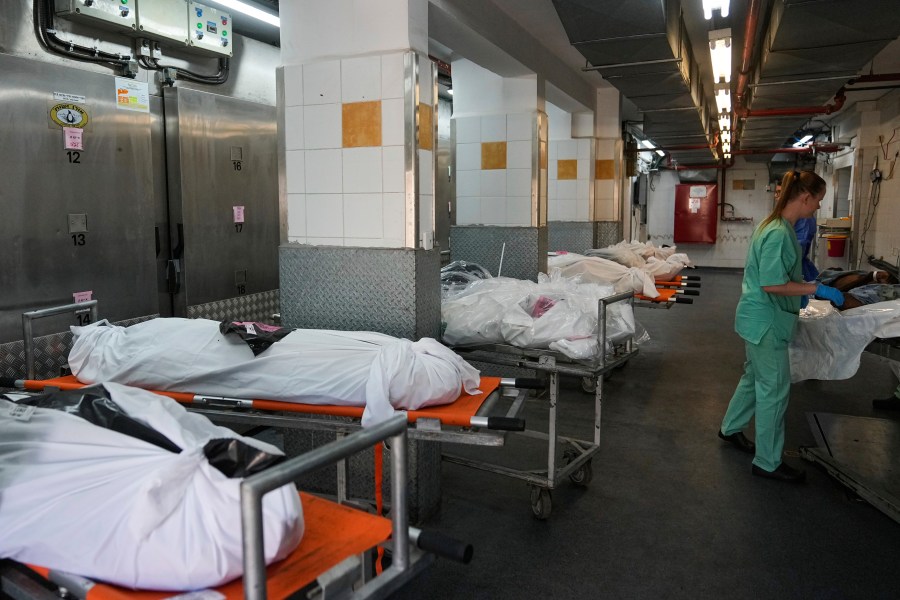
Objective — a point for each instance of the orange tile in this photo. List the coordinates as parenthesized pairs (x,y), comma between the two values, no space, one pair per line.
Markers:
(567,169)
(605,169)
(493,155)
(426,127)
(361,124)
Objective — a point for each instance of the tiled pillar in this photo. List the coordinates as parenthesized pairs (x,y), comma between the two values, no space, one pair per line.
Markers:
(607,206)
(357,106)
(501,171)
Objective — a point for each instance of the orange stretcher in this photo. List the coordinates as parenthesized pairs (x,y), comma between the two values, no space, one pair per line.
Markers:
(463,412)
(669,296)
(679,281)
(323,546)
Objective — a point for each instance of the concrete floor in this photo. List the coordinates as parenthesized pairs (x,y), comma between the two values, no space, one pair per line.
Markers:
(672,512)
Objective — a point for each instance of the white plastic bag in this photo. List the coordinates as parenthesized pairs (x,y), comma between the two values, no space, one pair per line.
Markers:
(91,501)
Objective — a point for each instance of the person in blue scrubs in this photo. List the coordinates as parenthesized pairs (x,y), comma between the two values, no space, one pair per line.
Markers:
(806,233)
(765,318)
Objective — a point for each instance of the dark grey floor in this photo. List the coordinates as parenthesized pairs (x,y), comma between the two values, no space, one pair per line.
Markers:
(671,511)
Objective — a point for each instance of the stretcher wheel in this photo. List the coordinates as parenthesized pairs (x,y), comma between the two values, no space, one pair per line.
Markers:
(541,503)
(589,384)
(582,475)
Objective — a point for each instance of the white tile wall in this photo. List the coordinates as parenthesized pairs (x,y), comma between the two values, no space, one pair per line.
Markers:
(325,215)
(392,125)
(426,173)
(293,85)
(569,199)
(520,127)
(323,172)
(493,182)
(394,169)
(394,222)
(362,170)
(361,79)
(295,171)
(493,128)
(325,241)
(322,126)
(518,155)
(584,149)
(426,81)
(392,75)
(494,196)
(363,216)
(322,83)
(468,130)
(296,208)
(518,182)
(566,150)
(293,128)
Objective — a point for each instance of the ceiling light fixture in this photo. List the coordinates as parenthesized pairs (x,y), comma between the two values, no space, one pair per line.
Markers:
(725,136)
(720,53)
(802,142)
(450,91)
(723,98)
(251,11)
(710,5)
(649,146)
(724,121)
(726,148)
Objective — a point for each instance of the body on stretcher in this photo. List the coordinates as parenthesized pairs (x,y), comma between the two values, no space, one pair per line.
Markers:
(326,557)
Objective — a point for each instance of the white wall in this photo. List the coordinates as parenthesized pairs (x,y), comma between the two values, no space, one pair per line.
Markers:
(477,91)
(732,238)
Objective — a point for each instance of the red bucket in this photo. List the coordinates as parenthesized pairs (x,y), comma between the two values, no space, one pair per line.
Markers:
(837,246)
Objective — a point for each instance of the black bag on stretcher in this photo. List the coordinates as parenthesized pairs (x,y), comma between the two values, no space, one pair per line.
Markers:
(125,486)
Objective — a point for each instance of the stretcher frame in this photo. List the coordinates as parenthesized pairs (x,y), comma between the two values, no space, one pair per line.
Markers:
(872,493)
(343,570)
(579,452)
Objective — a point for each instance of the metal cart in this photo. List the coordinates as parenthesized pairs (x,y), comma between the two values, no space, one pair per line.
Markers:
(576,458)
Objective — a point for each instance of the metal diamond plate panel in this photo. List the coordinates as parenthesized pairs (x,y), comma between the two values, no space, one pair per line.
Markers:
(423,475)
(390,290)
(570,236)
(524,256)
(51,353)
(608,233)
(252,307)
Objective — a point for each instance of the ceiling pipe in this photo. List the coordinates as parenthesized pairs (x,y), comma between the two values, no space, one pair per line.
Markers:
(747,53)
(672,148)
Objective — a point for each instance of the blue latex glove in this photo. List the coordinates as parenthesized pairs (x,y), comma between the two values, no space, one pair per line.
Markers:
(804,301)
(829,293)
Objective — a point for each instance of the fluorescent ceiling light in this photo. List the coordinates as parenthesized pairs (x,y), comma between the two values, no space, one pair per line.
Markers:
(724,121)
(710,5)
(726,155)
(802,141)
(720,54)
(450,91)
(649,146)
(251,11)
(725,135)
(723,100)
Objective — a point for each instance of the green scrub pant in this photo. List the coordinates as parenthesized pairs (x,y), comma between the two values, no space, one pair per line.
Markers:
(764,389)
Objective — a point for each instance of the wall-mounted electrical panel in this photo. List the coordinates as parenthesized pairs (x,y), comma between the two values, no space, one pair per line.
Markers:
(163,20)
(118,15)
(210,30)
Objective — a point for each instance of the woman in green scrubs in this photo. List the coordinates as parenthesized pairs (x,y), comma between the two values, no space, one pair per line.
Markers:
(766,315)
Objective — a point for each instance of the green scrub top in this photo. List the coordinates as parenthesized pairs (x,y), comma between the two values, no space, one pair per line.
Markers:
(773,259)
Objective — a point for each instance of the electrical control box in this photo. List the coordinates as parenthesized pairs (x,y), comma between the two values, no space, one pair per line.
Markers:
(163,20)
(118,15)
(209,30)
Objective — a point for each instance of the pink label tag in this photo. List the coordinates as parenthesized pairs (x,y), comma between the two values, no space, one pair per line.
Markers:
(74,138)
(542,305)
(238,214)
(82,296)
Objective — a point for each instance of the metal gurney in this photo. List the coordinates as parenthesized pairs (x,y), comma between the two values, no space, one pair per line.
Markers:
(335,535)
(578,452)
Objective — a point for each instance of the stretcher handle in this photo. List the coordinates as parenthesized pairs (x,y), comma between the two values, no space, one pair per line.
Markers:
(10,382)
(524,383)
(506,423)
(690,292)
(691,284)
(442,545)
(683,300)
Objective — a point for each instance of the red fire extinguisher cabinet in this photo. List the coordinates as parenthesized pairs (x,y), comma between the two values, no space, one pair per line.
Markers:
(696,213)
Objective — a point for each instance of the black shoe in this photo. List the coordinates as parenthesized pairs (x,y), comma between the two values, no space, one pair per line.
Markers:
(739,441)
(892,403)
(782,473)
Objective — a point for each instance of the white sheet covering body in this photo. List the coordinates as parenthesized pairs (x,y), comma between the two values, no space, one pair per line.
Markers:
(554,313)
(311,366)
(601,270)
(661,263)
(88,500)
(828,343)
